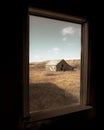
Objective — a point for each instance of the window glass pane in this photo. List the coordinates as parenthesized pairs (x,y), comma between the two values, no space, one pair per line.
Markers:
(54,63)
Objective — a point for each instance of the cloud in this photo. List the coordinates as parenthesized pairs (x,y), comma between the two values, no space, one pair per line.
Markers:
(37,58)
(67,30)
(70,31)
(55,50)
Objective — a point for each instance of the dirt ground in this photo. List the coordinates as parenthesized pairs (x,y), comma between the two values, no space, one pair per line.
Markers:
(49,90)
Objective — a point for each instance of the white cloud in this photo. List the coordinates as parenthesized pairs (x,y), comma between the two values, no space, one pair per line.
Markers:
(67,30)
(37,58)
(71,30)
(55,50)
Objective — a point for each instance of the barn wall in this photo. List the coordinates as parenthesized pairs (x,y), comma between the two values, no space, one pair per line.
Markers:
(63,66)
(50,68)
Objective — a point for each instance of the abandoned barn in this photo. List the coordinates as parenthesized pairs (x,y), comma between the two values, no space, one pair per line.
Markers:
(58,65)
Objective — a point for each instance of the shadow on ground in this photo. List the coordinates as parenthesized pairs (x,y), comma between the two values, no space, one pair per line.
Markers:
(48,96)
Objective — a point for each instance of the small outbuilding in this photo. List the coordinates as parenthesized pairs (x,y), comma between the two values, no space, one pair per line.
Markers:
(58,65)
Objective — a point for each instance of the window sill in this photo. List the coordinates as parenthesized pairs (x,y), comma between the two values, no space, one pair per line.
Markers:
(46,114)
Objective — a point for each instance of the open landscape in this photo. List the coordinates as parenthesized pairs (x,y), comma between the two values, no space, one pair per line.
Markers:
(50,90)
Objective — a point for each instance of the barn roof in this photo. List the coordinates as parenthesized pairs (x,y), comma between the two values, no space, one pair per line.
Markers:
(54,62)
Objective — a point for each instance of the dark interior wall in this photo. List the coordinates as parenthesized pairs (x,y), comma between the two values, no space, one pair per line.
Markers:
(12,62)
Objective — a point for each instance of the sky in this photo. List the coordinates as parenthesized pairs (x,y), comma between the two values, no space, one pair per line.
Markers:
(51,39)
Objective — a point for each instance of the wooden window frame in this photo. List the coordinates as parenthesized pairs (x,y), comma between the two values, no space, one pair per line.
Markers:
(85,66)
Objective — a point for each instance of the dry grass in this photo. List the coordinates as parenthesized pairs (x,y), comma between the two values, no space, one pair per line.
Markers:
(49,90)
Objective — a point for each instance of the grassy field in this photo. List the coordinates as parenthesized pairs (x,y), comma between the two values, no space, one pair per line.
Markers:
(49,90)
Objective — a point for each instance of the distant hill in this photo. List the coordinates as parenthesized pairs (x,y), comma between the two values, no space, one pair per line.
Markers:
(41,65)
(75,63)
(38,65)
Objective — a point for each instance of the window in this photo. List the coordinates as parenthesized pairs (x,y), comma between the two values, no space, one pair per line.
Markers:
(55,46)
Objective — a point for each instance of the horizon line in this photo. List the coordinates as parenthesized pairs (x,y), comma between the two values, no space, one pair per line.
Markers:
(53,59)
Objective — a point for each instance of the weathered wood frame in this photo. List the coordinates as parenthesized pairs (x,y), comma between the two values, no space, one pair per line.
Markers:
(84,85)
